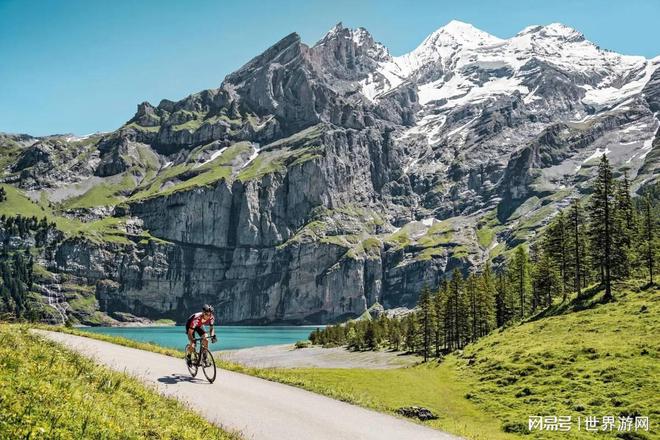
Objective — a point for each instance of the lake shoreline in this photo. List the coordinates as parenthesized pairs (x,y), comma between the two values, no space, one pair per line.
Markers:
(287,356)
(229,337)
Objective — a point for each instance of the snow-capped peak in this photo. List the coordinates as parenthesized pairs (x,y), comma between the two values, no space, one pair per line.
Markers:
(442,46)
(555,31)
(458,32)
(444,66)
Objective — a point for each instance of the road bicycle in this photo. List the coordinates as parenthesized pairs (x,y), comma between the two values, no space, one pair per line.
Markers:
(201,358)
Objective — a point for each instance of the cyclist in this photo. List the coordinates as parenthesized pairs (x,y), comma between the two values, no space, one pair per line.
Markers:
(195,323)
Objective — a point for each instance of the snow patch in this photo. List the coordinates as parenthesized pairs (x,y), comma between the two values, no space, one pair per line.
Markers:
(428,221)
(253,156)
(453,132)
(214,156)
(597,154)
(608,95)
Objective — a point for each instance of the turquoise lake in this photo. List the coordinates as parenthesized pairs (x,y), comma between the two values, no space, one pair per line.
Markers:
(229,337)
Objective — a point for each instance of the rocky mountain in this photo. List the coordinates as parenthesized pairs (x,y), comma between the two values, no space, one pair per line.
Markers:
(319,180)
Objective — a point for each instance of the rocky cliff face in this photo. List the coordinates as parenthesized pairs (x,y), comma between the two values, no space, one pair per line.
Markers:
(316,181)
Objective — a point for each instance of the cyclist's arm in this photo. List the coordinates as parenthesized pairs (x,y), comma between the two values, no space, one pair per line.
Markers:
(211,330)
(191,338)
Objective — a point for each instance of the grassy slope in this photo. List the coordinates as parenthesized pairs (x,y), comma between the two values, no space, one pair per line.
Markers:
(49,392)
(102,195)
(599,361)
(586,358)
(107,229)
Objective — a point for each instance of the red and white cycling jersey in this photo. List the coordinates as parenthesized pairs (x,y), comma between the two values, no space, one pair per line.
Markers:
(198,320)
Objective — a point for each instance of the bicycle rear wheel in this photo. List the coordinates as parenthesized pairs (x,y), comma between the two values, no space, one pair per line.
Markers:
(209,367)
(193,365)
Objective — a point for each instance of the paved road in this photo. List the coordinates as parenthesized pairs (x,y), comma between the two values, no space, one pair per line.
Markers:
(259,409)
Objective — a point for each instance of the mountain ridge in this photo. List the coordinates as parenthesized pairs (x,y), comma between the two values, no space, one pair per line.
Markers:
(318,180)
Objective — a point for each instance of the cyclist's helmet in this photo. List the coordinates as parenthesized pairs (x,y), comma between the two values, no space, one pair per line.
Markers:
(208,308)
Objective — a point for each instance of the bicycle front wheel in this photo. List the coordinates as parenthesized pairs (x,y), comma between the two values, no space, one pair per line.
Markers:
(208,367)
(193,364)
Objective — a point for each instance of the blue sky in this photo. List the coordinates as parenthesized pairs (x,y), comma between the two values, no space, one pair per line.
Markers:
(77,66)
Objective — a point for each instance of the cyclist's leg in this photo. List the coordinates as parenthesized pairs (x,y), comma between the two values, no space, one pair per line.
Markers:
(191,340)
(205,342)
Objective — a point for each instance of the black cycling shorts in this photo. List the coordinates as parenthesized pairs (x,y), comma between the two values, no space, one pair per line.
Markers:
(199,330)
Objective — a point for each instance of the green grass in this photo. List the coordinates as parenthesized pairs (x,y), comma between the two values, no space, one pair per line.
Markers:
(207,174)
(152,187)
(272,161)
(87,304)
(588,359)
(84,305)
(367,248)
(109,229)
(438,234)
(485,236)
(49,392)
(153,129)
(117,340)
(498,250)
(103,194)
(435,386)
(400,238)
(191,125)
(348,226)
(308,136)
(577,358)
(99,195)
(17,203)
(436,239)
(148,159)
(9,152)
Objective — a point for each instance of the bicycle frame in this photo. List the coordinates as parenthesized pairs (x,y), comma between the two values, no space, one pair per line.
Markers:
(200,361)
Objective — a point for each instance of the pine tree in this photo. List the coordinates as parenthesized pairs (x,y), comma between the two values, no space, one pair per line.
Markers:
(412,333)
(487,293)
(440,305)
(555,244)
(457,309)
(352,339)
(546,279)
(394,334)
(623,229)
(577,246)
(426,321)
(503,309)
(370,336)
(520,278)
(601,224)
(648,237)
(473,306)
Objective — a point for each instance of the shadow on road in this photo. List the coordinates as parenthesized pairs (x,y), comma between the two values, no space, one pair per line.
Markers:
(173,379)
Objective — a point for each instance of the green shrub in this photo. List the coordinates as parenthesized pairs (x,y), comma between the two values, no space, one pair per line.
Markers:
(303,344)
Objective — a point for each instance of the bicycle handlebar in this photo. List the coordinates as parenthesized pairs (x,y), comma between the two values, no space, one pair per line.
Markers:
(201,339)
